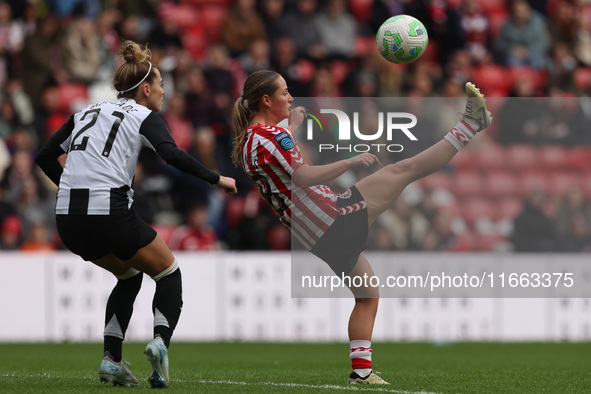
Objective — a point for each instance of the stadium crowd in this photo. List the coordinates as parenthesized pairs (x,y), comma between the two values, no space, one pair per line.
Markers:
(57,56)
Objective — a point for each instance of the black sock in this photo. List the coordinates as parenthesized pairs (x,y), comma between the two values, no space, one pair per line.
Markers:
(167,305)
(118,315)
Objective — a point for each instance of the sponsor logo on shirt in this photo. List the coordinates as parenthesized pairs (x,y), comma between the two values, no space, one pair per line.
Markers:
(284,140)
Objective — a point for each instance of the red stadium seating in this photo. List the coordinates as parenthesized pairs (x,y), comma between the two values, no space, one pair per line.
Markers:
(554,157)
(467,184)
(508,208)
(582,77)
(538,77)
(561,181)
(476,208)
(437,180)
(501,184)
(69,92)
(533,180)
(522,157)
(490,157)
(492,77)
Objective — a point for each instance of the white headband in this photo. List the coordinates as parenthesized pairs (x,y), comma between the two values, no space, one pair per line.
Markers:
(139,83)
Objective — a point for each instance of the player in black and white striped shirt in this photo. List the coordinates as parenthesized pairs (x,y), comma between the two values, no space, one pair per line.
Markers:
(93,210)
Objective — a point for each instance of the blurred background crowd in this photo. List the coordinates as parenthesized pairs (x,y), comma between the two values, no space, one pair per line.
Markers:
(522,187)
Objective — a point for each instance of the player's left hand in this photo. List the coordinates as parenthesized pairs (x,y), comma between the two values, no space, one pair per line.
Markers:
(227,184)
(296,117)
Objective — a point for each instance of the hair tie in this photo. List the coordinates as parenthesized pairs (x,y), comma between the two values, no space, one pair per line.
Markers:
(139,83)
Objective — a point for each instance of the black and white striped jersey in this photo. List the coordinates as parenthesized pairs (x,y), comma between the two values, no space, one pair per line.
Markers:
(103,142)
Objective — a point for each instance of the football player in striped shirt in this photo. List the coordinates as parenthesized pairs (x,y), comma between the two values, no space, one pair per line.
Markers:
(94,214)
(333,226)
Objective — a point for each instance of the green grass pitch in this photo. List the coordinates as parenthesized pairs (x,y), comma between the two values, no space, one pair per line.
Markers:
(303,368)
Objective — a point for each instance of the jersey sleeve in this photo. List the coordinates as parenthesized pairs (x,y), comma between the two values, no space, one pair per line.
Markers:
(285,151)
(155,130)
(56,146)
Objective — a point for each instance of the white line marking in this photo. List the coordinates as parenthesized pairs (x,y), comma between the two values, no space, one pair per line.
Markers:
(238,383)
(310,386)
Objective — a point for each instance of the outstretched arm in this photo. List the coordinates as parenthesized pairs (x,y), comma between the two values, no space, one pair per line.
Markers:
(314,175)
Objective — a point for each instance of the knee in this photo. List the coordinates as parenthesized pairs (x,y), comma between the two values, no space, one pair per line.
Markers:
(369,302)
(404,168)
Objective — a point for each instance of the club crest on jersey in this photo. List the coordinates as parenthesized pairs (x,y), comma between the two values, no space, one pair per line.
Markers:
(284,140)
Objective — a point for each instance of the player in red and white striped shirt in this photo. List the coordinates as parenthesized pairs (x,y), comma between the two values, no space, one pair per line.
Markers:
(333,226)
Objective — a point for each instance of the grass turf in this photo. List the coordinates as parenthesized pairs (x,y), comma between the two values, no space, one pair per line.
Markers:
(255,367)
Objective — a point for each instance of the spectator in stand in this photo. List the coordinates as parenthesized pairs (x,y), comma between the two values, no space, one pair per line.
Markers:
(81,50)
(272,13)
(257,58)
(10,233)
(6,208)
(220,79)
(65,8)
(517,118)
(573,220)
(196,234)
(49,118)
(524,39)
(406,225)
(41,60)
(12,35)
(241,26)
(440,235)
(533,230)
(337,30)
(284,61)
(561,67)
(179,125)
(301,26)
(166,35)
(38,239)
(476,25)
(201,107)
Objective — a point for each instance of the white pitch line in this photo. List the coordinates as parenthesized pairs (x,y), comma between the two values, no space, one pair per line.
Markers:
(238,383)
(310,386)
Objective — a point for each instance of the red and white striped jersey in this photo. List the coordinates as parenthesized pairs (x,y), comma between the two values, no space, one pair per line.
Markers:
(270,157)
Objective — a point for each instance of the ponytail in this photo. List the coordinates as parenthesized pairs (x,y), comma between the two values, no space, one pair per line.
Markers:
(241,117)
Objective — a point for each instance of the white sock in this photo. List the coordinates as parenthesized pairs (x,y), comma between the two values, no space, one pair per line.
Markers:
(361,357)
(461,134)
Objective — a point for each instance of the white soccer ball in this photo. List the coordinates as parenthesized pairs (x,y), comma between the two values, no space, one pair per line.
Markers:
(402,39)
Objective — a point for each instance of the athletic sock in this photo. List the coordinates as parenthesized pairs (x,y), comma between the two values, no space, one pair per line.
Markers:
(361,357)
(168,302)
(119,310)
(461,134)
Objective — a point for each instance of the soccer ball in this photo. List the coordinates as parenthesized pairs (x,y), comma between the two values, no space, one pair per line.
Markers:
(402,39)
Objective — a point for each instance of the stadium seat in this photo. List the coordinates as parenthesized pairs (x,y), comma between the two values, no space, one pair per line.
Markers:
(493,6)
(522,157)
(437,180)
(554,157)
(476,208)
(560,181)
(533,180)
(464,160)
(339,70)
(68,93)
(486,242)
(538,77)
(582,76)
(497,20)
(507,208)
(467,184)
(492,77)
(489,157)
(364,45)
(361,10)
(164,231)
(501,183)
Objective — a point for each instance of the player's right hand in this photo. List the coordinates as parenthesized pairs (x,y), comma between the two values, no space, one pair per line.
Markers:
(227,184)
(364,159)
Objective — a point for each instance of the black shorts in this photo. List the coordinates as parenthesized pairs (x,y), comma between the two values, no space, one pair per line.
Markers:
(94,236)
(342,243)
